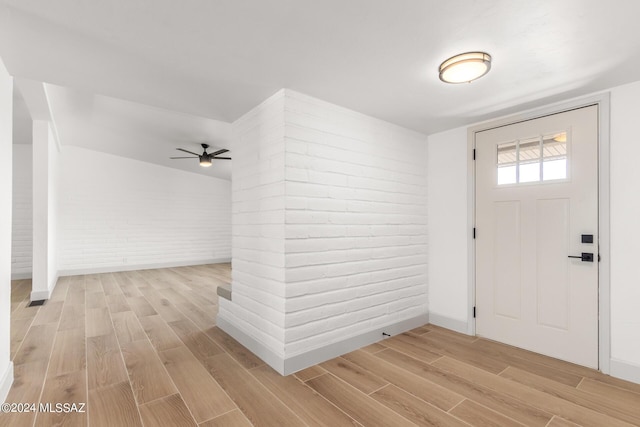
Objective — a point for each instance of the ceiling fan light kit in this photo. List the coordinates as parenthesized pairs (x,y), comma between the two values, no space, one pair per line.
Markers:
(465,67)
(204,158)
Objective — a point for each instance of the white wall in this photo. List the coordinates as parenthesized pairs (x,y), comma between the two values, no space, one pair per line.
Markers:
(118,214)
(258,305)
(625,212)
(6,145)
(53,207)
(329,231)
(356,224)
(447,218)
(448,230)
(22,236)
(45,183)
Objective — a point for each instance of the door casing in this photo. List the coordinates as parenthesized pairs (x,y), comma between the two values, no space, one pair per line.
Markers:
(602,100)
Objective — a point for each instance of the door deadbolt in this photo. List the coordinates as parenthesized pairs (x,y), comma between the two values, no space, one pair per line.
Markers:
(586,238)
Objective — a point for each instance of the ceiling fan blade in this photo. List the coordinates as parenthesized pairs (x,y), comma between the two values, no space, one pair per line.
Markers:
(187,151)
(219,152)
(222,158)
(183,157)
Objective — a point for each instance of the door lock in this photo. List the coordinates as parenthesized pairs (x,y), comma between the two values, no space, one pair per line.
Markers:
(586,238)
(585,257)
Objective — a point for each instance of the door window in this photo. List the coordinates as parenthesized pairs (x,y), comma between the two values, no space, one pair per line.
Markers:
(539,159)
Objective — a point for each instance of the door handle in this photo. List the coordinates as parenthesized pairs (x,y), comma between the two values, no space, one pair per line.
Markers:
(585,257)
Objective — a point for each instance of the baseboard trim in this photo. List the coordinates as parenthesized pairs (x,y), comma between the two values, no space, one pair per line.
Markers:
(312,357)
(40,295)
(224,291)
(269,356)
(625,370)
(318,355)
(6,382)
(132,267)
(45,294)
(21,276)
(448,323)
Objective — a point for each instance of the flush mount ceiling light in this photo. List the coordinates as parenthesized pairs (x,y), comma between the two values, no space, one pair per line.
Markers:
(465,68)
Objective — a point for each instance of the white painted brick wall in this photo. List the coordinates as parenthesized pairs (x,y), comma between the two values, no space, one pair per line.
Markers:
(329,225)
(258,207)
(117,213)
(22,219)
(356,223)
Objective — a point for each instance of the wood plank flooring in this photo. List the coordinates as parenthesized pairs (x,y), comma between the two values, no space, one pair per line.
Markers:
(141,349)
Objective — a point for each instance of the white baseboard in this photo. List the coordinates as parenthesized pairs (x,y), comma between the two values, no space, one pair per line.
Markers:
(312,357)
(448,323)
(45,294)
(625,370)
(40,295)
(318,355)
(20,276)
(132,267)
(270,357)
(6,382)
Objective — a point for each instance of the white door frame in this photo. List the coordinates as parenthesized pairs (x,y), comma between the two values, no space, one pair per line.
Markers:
(604,306)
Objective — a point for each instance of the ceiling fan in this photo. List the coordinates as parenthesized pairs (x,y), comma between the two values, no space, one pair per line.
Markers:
(205,158)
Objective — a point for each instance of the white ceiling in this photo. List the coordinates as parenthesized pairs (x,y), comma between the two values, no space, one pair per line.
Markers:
(137,131)
(218,59)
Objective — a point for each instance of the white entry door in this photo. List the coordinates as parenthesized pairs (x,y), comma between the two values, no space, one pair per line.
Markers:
(536,207)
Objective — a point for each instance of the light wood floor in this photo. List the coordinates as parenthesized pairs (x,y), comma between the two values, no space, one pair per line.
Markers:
(141,348)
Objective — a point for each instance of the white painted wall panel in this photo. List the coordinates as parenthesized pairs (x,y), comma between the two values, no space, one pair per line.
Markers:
(448,230)
(22,227)
(625,208)
(45,181)
(117,214)
(54,159)
(6,146)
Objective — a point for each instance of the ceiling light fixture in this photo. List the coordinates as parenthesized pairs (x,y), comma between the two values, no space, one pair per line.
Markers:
(465,68)
(204,158)
(205,161)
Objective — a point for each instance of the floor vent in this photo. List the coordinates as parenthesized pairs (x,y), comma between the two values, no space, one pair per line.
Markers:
(38,302)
